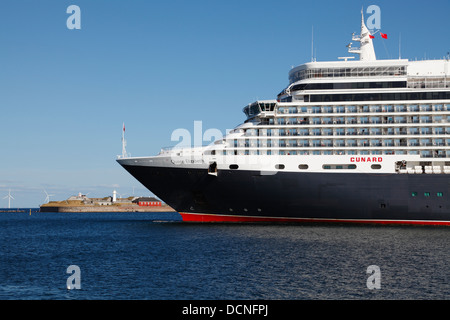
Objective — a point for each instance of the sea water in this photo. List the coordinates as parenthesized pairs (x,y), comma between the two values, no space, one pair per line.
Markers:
(157,256)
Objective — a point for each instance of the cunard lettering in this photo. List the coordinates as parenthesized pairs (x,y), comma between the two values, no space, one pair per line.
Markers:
(366,159)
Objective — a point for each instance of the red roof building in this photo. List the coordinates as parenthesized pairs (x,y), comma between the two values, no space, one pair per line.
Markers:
(149,202)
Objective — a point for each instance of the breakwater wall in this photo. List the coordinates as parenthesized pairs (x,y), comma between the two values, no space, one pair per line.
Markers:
(123,208)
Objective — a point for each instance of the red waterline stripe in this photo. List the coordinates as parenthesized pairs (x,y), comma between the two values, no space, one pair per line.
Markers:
(199,217)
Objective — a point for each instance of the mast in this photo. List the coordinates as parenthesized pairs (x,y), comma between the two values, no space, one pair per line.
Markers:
(366,50)
(124,143)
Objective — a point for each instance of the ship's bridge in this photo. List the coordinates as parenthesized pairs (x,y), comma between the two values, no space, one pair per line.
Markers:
(260,107)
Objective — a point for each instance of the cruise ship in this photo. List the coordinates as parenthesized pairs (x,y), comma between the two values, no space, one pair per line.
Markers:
(347,141)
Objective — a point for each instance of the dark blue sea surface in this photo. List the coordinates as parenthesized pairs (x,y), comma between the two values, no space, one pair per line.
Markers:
(156,256)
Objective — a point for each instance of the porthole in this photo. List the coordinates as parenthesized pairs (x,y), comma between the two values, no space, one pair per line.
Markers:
(303,166)
(376,166)
(234,166)
(279,166)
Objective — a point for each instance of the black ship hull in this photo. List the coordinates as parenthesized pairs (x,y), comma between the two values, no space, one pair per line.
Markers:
(238,195)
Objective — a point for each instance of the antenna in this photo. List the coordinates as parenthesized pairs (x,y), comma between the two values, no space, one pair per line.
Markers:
(400,46)
(345,58)
(9,196)
(312,43)
(47,199)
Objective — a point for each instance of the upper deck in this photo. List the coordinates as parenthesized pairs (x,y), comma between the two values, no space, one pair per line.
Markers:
(356,71)
(378,80)
(347,70)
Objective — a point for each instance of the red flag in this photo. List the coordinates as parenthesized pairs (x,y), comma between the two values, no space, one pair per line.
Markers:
(124,127)
(383,35)
(371,36)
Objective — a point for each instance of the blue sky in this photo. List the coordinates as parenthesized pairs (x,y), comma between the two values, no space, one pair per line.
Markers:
(158,66)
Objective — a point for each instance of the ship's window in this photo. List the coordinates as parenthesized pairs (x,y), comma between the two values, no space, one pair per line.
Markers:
(439,194)
(286,99)
(414,194)
(279,166)
(303,166)
(346,85)
(380,96)
(426,194)
(376,166)
(234,166)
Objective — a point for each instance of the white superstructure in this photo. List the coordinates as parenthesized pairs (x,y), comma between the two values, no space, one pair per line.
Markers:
(367,115)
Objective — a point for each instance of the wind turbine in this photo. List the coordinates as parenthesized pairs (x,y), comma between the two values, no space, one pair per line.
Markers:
(47,199)
(121,195)
(9,196)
